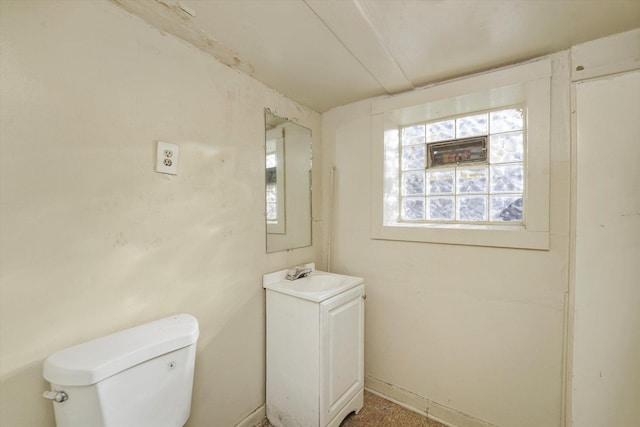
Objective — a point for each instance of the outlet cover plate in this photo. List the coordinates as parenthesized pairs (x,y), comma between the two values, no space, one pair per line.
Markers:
(167,158)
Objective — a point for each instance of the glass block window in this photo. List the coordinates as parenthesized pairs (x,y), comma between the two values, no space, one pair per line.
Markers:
(464,170)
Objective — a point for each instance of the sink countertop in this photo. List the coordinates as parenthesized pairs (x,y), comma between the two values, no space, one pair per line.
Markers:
(317,287)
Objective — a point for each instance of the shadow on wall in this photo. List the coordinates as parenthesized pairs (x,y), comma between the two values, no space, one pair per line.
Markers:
(229,381)
(21,384)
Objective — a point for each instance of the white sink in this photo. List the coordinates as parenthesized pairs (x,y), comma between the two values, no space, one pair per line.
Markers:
(318,286)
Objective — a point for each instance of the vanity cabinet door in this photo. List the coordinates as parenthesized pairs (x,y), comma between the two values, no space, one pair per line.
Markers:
(342,351)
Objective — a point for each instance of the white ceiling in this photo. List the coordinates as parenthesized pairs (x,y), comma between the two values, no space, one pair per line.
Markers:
(326,53)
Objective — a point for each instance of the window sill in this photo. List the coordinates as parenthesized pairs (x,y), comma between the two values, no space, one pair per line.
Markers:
(448,226)
(504,236)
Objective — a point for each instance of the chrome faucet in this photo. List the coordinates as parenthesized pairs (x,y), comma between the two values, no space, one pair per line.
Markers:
(298,272)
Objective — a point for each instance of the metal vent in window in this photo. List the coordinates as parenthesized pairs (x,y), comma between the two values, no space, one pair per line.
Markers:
(459,151)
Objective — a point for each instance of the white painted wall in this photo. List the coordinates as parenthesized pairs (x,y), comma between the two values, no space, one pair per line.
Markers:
(606,362)
(92,239)
(457,329)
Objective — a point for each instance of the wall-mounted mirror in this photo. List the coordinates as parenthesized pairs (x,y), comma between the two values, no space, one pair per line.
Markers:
(287,184)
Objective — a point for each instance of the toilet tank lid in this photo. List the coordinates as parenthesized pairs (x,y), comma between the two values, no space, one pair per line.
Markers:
(93,361)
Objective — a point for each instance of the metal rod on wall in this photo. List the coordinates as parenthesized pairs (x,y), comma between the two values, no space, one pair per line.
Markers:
(330,221)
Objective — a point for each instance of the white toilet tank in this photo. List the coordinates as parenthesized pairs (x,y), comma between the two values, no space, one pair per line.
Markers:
(139,377)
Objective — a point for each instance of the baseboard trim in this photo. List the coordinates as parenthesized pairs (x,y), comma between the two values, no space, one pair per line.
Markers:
(254,419)
(421,405)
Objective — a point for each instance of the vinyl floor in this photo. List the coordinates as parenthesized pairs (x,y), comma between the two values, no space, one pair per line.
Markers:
(379,412)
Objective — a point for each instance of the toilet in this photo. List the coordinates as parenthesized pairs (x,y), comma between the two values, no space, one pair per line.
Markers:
(138,377)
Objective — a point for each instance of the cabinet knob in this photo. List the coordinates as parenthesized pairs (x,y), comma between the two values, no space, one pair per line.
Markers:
(364,296)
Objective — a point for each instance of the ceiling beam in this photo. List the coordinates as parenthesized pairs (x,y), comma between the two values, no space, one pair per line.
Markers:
(348,21)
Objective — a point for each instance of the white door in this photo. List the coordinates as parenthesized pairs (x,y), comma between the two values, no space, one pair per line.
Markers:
(606,353)
(341,352)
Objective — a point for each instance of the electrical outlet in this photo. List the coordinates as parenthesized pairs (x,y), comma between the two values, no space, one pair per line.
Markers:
(167,158)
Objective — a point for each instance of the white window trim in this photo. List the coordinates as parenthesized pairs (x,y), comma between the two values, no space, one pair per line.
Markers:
(528,84)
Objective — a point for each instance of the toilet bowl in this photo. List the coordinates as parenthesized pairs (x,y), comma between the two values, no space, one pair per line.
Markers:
(138,377)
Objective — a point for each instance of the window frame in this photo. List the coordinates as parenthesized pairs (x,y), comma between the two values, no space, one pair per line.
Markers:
(529,85)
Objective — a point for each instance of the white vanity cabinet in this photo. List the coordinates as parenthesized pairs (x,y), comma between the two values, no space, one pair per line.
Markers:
(315,349)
